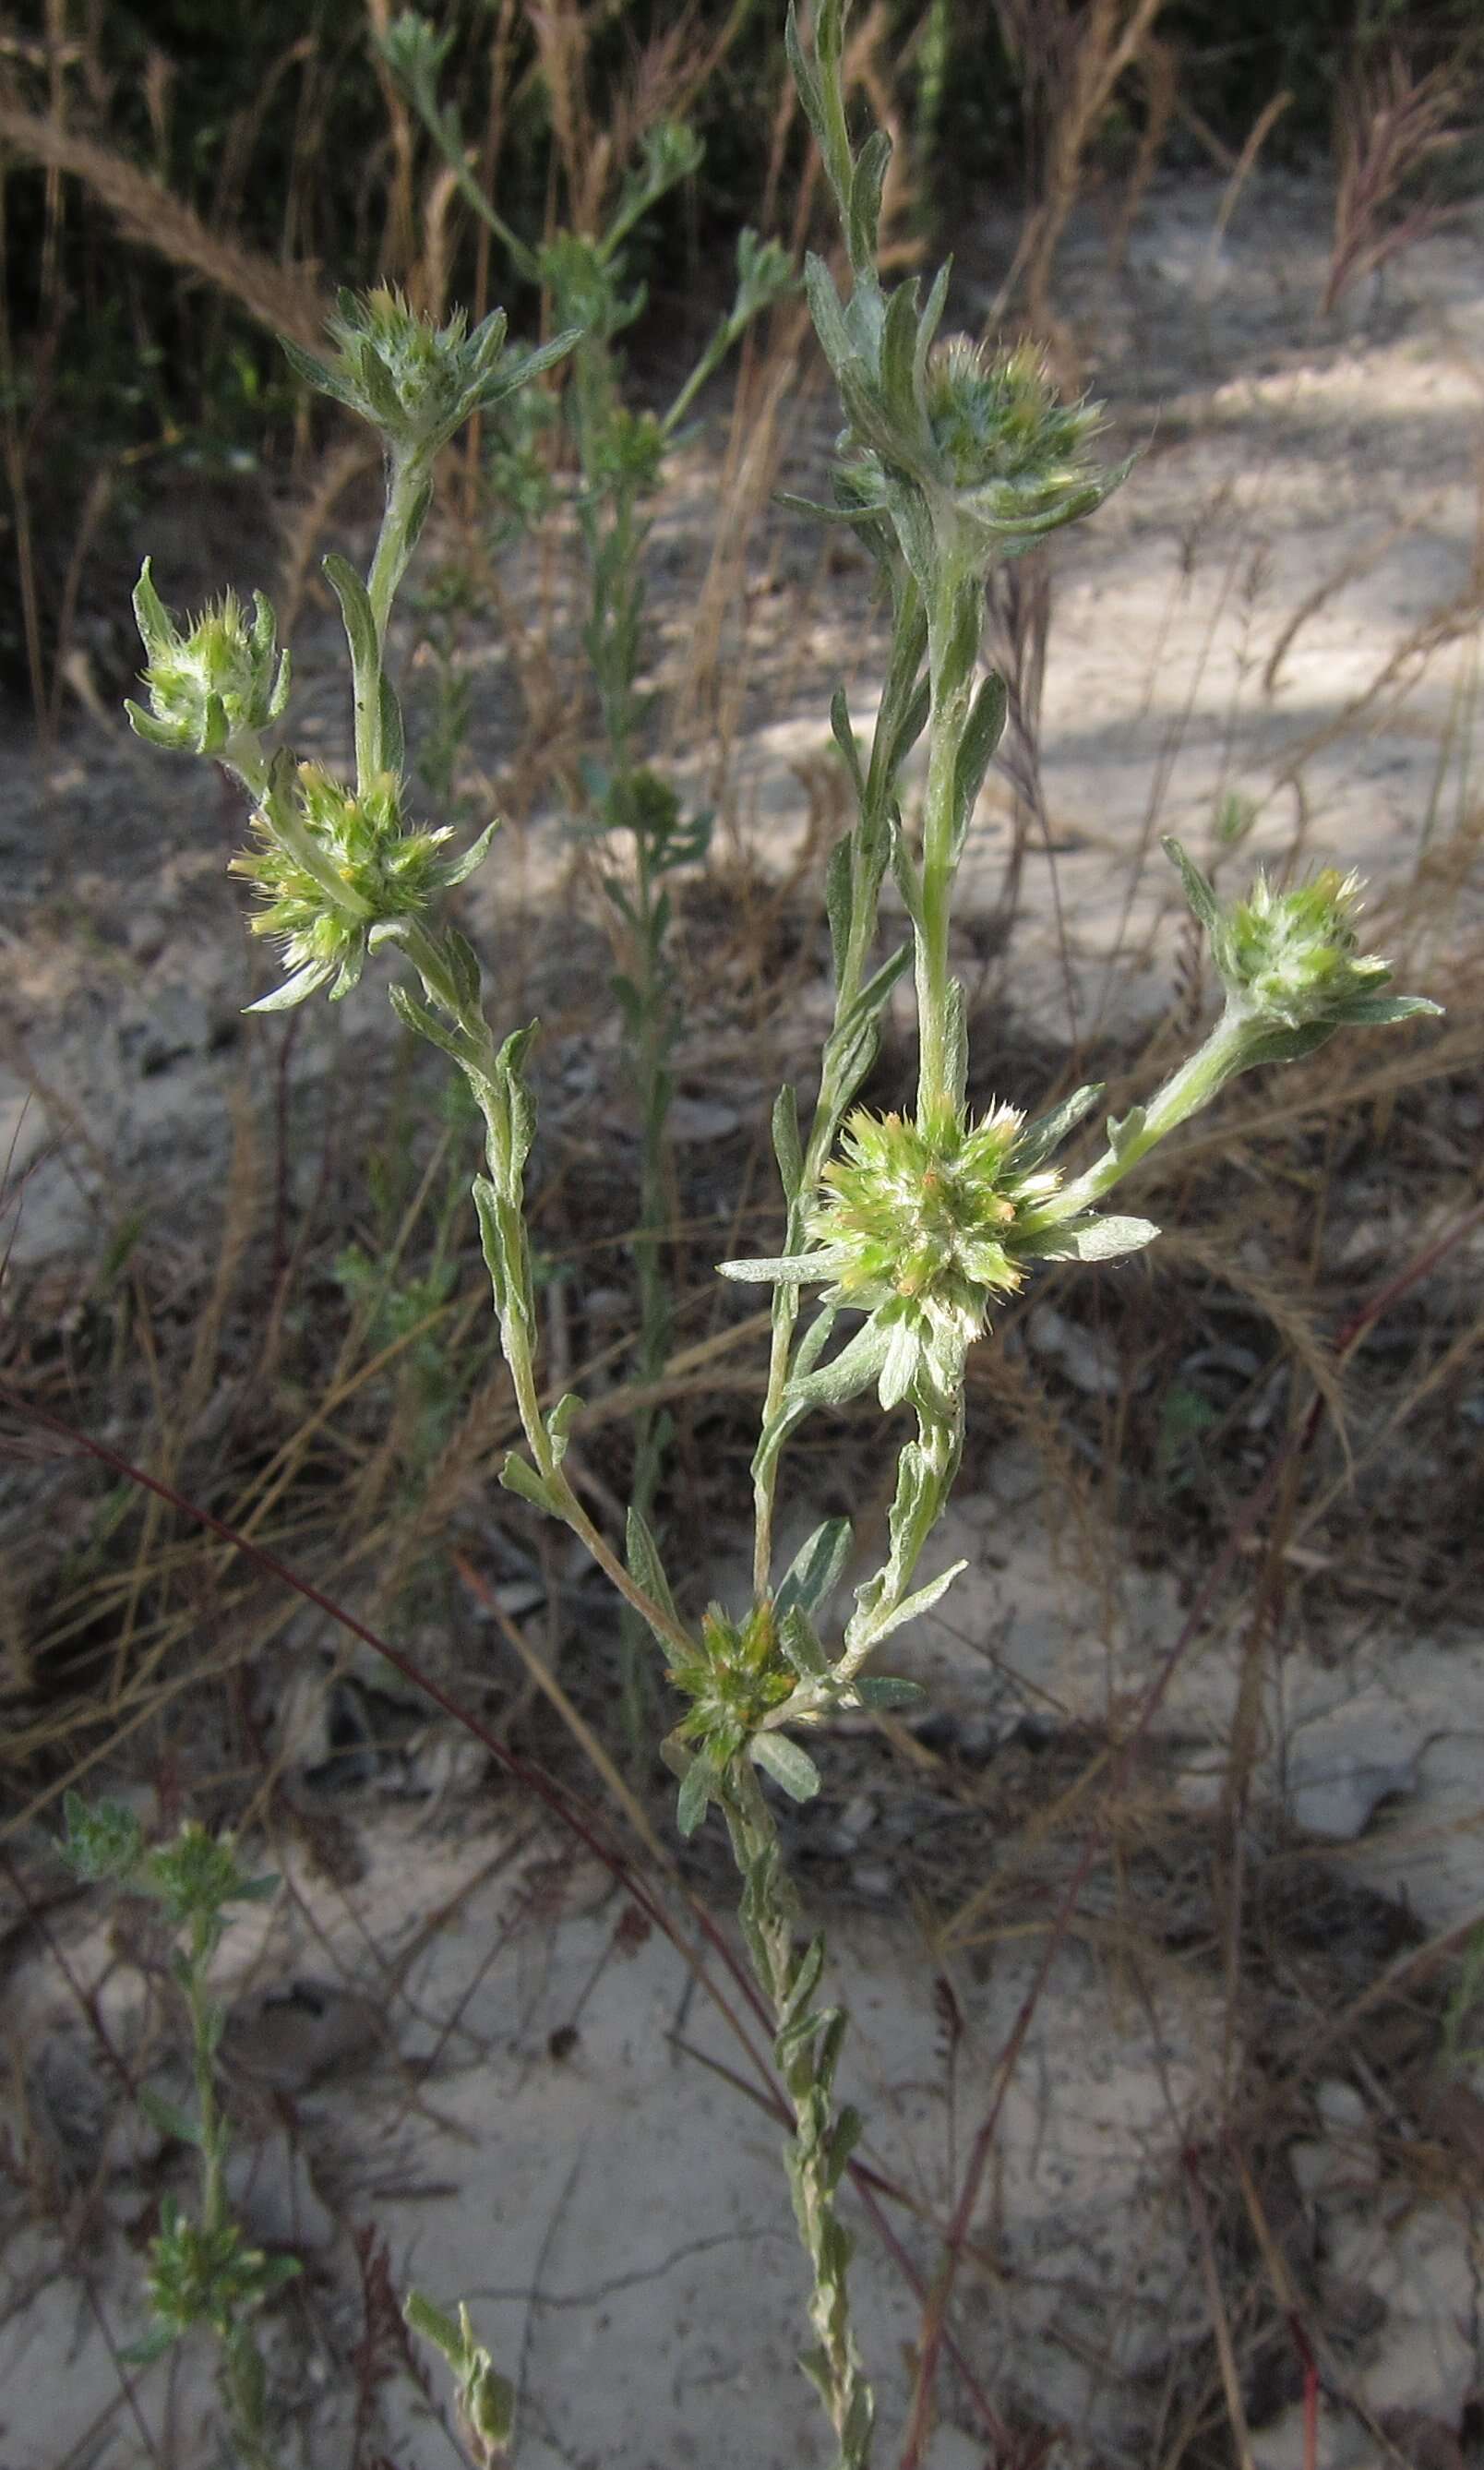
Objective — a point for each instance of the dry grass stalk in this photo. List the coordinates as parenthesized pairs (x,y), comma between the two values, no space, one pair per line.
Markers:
(1392,121)
(1158,71)
(1241,172)
(1071,58)
(399,235)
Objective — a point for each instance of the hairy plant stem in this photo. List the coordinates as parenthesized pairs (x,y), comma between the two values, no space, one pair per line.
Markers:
(841,1065)
(952,681)
(480,1061)
(243,2380)
(408,483)
(807,2049)
(1184,1094)
(786,1299)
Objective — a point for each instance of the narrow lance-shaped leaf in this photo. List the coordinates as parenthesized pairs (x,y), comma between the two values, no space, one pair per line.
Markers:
(1091,1239)
(394,744)
(844,739)
(840,901)
(975,747)
(695,1794)
(898,338)
(416,1015)
(1198,887)
(788,1147)
(1044,1136)
(356,610)
(802,1644)
(866,187)
(814,1572)
(519,1477)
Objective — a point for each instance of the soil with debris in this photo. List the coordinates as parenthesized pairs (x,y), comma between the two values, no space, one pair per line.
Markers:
(1146,1923)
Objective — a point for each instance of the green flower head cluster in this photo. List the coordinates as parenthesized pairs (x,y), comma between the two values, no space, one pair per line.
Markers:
(200,2275)
(1290,960)
(1011,457)
(924,1226)
(914,1228)
(337,871)
(214,679)
(920,1218)
(1295,954)
(740,1676)
(967,458)
(415,382)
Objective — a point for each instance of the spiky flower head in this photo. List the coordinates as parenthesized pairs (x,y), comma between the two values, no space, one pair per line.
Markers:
(212,681)
(1013,457)
(971,456)
(1290,960)
(198,1873)
(914,1224)
(336,872)
(415,382)
(921,1214)
(1297,954)
(925,1227)
(740,1676)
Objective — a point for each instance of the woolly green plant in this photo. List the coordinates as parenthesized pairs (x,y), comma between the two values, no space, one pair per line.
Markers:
(912,1226)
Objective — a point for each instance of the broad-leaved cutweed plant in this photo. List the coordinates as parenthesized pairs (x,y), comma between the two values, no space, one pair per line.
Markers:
(913,1226)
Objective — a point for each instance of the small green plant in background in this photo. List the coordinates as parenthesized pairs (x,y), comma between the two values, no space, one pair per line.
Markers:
(202,2274)
(621,458)
(914,1224)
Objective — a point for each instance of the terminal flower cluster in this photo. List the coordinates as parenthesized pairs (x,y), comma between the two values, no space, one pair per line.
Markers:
(415,382)
(926,1225)
(217,680)
(1290,964)
(332,866)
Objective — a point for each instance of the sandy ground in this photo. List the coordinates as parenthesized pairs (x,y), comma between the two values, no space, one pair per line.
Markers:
(519,2103)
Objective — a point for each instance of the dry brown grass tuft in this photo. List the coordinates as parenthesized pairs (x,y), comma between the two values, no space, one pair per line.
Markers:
(1394,120)
(286,301)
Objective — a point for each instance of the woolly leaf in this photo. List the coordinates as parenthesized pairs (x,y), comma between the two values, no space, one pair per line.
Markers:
(416,1015)
(787,1764)
(866,186)
(912,1607)
(357,614)
(787,1147)
(1042,1138)
(801,1643)
(459,869)
(981,737)
(394,739)
(1198,887)
(1092,1239)
(169,2117)
(814,1572)
(884,1692)
(519,1477)
(844,739)
(694,1797)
